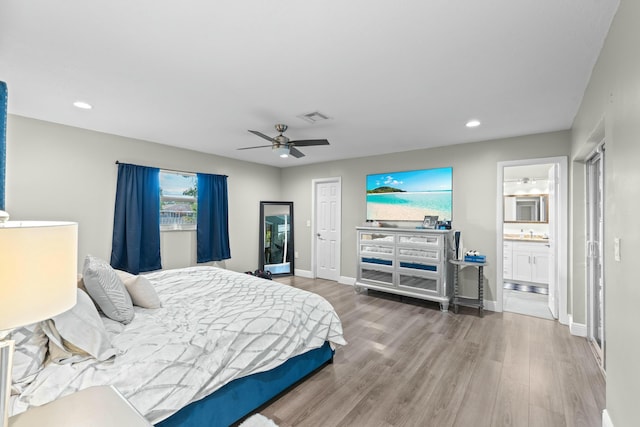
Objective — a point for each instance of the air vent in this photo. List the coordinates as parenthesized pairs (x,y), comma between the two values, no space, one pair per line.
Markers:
(313,117)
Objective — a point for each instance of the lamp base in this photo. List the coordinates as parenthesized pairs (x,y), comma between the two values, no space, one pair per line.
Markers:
(6,364)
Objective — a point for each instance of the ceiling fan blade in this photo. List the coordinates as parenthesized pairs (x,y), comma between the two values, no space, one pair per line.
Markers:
(295,152)
(258,146)
(310,142)
(261,135)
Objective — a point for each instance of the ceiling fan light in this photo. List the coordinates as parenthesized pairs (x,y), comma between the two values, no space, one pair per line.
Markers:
(282,150)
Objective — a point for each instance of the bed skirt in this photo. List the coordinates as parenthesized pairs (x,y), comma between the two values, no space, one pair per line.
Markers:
(241,397)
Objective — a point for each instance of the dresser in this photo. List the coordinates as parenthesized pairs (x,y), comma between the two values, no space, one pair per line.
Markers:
(402,261)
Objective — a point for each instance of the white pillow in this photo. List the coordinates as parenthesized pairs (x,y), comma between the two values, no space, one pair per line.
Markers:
(107,290)
(78,333)
(142,292)
(28,357)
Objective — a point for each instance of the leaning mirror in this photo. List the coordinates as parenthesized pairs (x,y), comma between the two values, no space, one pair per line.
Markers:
(276,237)
(526,208)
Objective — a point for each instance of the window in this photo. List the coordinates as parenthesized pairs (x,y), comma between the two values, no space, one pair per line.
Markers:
(178,200)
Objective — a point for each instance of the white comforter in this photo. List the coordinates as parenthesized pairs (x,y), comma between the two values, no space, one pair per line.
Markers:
(214,326)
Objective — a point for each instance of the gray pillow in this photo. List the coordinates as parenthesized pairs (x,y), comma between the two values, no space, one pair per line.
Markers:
(107,290)
(78,333)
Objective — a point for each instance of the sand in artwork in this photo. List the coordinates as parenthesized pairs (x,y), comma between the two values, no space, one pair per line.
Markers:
(385,211)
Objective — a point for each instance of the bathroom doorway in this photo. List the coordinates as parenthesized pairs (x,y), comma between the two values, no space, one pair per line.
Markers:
(531,235)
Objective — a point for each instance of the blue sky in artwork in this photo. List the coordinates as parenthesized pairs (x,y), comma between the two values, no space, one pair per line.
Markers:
(440,179)
(174,184)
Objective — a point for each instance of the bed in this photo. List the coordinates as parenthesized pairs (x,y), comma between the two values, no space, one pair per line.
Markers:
(222,344)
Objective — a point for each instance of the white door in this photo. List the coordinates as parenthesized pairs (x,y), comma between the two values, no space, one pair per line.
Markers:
(327,228)
(552,272)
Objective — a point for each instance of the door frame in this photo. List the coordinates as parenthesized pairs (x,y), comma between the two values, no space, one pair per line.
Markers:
(600,350)
(314,214)
(562,252)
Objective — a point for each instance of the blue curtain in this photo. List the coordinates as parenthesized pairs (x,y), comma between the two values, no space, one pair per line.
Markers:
(213,218)
(3,134)
(136,223)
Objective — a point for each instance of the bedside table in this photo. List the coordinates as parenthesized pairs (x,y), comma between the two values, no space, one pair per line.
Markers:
(101,406)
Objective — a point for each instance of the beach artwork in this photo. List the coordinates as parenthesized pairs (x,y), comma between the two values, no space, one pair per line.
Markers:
(410,195)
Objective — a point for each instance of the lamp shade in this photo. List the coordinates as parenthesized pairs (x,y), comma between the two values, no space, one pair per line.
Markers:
(38,271)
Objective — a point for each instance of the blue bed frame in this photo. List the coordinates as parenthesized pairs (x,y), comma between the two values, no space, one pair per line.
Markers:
(241,397)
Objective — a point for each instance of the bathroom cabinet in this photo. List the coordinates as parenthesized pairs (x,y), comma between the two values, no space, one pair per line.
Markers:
(530,262)
(409,262)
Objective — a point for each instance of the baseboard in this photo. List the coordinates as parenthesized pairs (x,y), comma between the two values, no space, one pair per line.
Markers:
(606,420)
(577,329)
(490,305)
(347,280)
(303,273)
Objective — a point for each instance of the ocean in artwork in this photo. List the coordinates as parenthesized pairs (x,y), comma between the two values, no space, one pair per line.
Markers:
(409,206)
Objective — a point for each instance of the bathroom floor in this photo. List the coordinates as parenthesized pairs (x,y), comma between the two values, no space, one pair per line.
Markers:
(531,302)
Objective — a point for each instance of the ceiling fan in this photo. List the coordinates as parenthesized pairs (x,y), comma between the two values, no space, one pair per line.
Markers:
(283,146)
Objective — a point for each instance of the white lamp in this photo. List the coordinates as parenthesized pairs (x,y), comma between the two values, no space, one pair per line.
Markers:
(38,279)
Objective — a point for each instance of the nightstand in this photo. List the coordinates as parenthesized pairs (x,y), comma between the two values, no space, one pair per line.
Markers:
(101,406)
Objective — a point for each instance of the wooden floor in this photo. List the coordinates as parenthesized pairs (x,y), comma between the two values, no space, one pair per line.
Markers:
(409,364)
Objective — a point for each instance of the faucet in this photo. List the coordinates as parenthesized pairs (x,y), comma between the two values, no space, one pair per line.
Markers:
(531,234)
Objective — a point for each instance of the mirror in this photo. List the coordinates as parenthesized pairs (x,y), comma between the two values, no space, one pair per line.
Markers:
(276,238)
(526,208)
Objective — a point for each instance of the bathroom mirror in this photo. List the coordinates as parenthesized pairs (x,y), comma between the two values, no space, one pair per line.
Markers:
(526,208)
(276,238)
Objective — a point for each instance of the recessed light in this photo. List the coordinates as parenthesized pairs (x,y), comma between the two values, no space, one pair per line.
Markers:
(82,105)
(473,123)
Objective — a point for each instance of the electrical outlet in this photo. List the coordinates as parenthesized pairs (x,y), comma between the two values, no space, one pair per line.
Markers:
(308,223)
(297,255)
(616,249)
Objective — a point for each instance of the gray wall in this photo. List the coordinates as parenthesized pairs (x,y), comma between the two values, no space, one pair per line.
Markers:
(57,172)
(613,99)
(474,191)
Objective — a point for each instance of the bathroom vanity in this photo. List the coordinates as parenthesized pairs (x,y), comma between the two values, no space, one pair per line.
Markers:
(526,259)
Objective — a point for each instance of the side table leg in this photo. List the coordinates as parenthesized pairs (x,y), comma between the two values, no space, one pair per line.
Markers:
(481,290)
(455,288)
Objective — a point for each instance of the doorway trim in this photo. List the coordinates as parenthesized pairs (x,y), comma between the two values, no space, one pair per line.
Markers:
(562,252)
(598,349)
(314,196)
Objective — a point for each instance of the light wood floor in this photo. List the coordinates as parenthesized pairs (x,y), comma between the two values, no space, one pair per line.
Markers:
(409,364)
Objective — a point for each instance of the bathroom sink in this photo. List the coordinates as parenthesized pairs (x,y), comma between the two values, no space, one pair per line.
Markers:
(527,237)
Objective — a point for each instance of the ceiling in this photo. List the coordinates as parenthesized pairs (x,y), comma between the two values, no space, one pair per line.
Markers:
(392,76)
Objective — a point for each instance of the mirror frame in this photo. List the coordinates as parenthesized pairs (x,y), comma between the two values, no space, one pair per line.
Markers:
(546,208)
(261,251)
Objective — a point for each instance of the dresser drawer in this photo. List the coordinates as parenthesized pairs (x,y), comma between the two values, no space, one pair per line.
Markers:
(420,240)
(432,255)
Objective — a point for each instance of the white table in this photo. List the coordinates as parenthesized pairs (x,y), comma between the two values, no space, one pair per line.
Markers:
(101,406)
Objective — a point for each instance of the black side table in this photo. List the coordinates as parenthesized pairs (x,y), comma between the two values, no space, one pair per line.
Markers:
(468,302)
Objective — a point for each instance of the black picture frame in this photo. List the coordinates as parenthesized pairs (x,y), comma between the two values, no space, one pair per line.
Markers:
(430,221)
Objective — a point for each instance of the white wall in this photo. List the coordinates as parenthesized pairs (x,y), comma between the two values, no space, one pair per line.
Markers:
(59,172)
(611,107)
(474,192)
